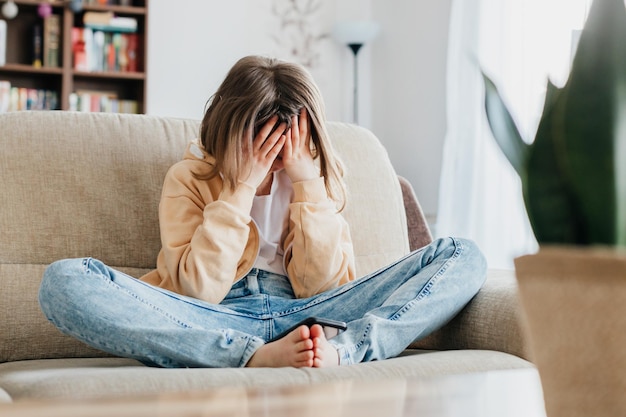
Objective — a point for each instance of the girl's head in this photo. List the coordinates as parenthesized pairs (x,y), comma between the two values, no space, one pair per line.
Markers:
(255,89)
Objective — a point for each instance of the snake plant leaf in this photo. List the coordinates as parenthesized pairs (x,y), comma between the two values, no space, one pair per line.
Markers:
(503,127)
(574,173)
(588,124)
(549,202)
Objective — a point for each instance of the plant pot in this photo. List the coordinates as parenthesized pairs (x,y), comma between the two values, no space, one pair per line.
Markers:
(575,304)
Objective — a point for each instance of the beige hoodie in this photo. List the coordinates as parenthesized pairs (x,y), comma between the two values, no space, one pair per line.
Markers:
(210,241)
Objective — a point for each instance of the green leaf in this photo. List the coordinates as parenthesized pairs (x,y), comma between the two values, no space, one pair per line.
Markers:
(620,166)
(549,201)
(589,132)
(503,127)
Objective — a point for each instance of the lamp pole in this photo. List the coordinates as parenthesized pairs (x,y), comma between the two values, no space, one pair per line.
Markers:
(355,47)
(355,34)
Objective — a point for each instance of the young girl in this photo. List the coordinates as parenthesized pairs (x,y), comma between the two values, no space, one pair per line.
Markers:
(253,242)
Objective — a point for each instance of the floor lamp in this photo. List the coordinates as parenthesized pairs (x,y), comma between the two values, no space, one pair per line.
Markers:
(355,34)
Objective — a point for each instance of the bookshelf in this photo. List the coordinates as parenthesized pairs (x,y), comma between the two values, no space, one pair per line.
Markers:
(124,79)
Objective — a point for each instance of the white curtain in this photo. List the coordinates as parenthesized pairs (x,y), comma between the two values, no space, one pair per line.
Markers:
(519,44)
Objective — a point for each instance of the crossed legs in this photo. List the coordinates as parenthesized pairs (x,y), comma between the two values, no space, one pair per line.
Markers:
(384,311)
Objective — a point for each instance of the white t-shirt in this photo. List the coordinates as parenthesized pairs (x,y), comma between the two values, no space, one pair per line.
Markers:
(271,215)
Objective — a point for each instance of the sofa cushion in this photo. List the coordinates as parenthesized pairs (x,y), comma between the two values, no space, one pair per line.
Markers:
(375,210)
(101,378)
(85,185)
(25,333)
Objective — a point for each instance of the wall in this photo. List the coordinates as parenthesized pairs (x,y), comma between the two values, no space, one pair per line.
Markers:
(193,43)
(408,90)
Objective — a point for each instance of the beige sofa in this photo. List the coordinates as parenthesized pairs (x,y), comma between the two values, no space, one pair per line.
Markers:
(75,185)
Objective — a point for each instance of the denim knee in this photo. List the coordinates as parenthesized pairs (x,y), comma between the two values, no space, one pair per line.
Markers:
(474,260)
(56,283)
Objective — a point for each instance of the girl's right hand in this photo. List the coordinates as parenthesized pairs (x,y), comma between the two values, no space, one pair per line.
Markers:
(265,149)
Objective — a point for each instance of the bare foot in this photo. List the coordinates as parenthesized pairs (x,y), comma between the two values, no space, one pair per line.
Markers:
(295,349)
(325,354)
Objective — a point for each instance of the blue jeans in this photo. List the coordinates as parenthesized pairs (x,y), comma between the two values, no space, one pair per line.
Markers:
(385,311)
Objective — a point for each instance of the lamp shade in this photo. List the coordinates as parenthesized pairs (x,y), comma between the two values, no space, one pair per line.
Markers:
(355,32)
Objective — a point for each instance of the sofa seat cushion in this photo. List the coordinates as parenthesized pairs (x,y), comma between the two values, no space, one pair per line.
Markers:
(92,378)
(493,320)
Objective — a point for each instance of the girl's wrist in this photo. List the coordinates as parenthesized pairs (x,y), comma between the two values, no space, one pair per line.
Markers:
(303,173)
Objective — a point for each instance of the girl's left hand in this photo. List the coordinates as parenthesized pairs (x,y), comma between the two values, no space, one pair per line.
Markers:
(296,154)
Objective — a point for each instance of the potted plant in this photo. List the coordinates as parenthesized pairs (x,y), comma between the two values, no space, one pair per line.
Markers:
(573,291)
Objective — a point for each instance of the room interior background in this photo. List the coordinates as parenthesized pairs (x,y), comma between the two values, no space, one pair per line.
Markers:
(192,43)
(520,44)
(419,86)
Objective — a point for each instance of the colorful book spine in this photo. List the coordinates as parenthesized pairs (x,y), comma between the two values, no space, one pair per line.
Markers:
(98,51)
(78,50)
(16,99)
(98,101)
(37,46)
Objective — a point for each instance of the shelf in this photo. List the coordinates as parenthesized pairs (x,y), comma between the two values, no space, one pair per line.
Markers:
(115,9)
(53,3)
(93,7)
(65,80)
(29,69)
(111,74)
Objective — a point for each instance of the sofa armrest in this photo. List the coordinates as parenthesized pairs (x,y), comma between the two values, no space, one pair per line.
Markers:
(419,233)
(491,321)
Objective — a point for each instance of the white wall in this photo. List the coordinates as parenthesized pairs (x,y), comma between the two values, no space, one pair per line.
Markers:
(193,43)
(408,90)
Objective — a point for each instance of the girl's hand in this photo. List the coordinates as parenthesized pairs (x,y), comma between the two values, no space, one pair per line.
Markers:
(265,149)
(296,154)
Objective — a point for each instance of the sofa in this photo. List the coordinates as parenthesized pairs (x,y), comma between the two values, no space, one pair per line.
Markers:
(87,184)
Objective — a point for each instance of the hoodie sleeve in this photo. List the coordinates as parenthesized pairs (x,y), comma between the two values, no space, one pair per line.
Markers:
(318,247)
(204,238)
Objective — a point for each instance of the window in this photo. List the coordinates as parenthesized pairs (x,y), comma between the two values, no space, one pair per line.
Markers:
(519,43)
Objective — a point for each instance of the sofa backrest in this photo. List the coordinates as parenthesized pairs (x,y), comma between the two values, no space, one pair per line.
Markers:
(88,184)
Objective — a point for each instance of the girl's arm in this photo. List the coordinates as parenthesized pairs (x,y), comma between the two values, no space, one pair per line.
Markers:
(319,254)
(203,237)
(205,227)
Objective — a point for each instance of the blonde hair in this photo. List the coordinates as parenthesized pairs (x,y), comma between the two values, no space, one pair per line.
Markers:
(255,89)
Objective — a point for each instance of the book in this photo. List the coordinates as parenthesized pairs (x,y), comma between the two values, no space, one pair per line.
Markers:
(3,42)
(132,52)
(89,46)
(101,101)
(5,96)
(73,102)
(37,46)
(123,54)
(16,98)
(108,22)
(78,50)
(98,51)
(51,40)
(99,41)
(97,18)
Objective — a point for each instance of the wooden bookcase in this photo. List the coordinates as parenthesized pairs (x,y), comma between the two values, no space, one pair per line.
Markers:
(65,79)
